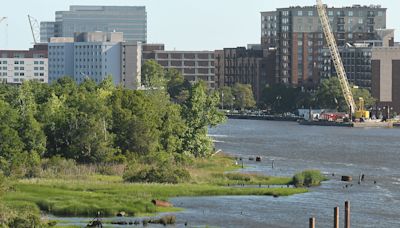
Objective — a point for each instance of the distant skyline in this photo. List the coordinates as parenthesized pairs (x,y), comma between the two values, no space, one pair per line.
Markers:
(179,24)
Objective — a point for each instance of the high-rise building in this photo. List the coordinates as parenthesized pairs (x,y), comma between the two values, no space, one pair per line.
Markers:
(297,35)
(130,20)
(356,59)
(246,66)
(17,66)
(95,55)
(194,65)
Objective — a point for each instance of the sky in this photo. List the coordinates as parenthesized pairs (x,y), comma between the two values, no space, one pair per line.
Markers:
(179,24)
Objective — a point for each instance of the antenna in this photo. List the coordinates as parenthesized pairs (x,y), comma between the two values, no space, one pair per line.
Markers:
(35,29)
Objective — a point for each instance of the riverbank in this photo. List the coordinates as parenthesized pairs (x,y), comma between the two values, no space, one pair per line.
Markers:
(68,196)
(262,117)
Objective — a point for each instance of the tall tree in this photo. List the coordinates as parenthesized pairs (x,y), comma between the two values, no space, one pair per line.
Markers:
(243,96)
(200,112)
(226,97)
(153,76)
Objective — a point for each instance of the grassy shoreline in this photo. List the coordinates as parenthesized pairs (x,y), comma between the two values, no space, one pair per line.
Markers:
(110,195)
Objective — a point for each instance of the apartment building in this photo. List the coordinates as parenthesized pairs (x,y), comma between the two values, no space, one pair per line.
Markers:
(130,20)
(246,66)
(356,59)
(96,55)
(17,66)
(297,35)
(194,65)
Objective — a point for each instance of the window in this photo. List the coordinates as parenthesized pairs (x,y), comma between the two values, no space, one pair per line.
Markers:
(36,68)
(350,13)
(41,62)
(21,62)
(380,13)
(285,13)
(16,62)
(16,68)
(36,74)
(299,13)
(330,13)
(310,13)
(41,68)
(22,68)
(360,21)
(35,62)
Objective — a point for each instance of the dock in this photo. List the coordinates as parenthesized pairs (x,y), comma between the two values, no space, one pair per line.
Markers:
(367,124)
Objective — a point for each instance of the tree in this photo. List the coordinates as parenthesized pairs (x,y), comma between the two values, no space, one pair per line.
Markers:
(30,130)
(281,98)
(177,85)
(200,112)
(330,95)
(226,97)
(10,142)
(243,96)
(153,76)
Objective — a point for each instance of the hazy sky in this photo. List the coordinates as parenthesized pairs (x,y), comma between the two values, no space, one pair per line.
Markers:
(179,24)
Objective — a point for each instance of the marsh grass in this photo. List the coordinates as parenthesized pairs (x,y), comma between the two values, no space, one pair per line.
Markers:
(110,195)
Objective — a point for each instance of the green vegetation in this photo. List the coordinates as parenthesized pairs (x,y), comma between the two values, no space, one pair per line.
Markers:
(74,150)
(281,98)
(308,178)
(66,195)
(239,96)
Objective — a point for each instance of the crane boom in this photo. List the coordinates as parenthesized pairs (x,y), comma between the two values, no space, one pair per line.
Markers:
(35,29)
(341,73)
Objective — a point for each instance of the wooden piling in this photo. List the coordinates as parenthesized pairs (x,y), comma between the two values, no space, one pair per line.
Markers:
(336,217)
(312,222)
(347,214)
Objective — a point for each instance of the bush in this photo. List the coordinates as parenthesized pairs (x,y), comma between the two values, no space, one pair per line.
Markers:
(155,174)
(308,178)
(21,215)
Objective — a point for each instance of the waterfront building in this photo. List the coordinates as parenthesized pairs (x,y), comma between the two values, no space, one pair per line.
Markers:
(17,66)
(194,65)
(96,55)
(386,78)
(246,66)
(297,35)
(130,20)
(356,59)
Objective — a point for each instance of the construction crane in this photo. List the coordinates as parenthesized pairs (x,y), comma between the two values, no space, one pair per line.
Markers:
(35,29)
(6,32)
(337,61)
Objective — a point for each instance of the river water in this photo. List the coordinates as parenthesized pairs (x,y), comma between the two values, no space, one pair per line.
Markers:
(294,148)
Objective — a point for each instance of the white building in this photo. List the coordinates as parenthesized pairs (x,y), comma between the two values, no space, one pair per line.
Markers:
(95,55)
(17,66)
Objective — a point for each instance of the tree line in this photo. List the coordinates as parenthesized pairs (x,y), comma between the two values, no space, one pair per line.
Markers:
(102,123)
(281,98)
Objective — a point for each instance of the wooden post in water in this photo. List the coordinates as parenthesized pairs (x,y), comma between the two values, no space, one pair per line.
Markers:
(347,214)
(336,217)
(312,222)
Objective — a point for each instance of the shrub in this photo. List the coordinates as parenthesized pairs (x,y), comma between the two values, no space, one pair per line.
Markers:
(308,178)
(155,174)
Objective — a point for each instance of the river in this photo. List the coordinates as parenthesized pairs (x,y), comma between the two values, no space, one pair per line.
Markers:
(342,151)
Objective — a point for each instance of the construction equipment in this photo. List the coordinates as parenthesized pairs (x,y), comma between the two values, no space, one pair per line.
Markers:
(359,112)
(6,29)
(35,29)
